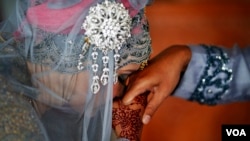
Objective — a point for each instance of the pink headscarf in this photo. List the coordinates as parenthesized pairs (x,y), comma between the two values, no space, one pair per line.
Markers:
(50,19)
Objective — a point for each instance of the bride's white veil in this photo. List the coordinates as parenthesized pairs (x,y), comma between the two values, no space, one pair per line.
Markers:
(48,38)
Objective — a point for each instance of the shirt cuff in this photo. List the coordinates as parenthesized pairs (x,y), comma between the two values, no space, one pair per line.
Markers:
(192,73)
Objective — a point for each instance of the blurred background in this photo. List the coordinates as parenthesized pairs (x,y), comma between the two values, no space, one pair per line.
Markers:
(220,22)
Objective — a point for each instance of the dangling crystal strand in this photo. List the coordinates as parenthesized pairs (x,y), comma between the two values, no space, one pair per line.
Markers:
(108,35)
(80,65)
(105,74)
(95,86)
(116,58)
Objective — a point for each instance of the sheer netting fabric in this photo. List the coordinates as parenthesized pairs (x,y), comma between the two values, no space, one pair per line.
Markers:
(47,56)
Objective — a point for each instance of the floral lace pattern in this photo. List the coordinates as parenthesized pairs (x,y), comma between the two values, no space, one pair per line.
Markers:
(216,78)
(52,52)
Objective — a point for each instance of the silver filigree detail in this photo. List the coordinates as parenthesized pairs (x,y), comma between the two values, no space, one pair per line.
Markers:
(107,27)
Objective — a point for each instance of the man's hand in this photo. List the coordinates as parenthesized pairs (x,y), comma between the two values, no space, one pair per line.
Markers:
(159,78)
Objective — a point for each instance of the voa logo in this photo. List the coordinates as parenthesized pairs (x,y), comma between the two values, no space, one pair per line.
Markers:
(236,132)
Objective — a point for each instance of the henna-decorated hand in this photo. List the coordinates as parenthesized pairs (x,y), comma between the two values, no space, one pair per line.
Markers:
(126,119)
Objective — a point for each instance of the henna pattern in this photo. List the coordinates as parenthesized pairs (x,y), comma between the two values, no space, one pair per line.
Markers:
(141,99)
(126,120)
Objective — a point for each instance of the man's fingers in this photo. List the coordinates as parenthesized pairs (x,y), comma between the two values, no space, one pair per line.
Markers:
(158,96)
(136,88)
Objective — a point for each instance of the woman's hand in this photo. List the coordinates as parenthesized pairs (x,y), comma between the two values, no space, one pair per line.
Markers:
(159,78)
(126,119)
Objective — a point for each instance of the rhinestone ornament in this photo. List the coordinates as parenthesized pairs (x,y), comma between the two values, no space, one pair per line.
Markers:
(107,28)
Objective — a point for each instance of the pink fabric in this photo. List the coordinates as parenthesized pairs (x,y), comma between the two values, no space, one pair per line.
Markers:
(132,11)
(52,19)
